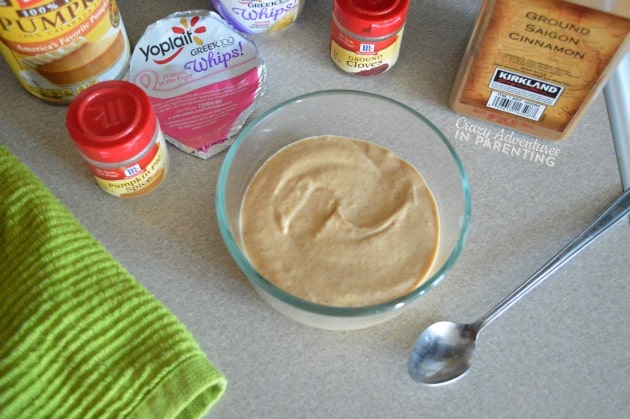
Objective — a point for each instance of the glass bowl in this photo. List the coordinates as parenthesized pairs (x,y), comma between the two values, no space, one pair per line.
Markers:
(360,115)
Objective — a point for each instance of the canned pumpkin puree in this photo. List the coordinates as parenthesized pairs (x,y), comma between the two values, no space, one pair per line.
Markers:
(58,48)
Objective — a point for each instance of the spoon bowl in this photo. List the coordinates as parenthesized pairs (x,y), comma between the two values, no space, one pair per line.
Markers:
(444,351)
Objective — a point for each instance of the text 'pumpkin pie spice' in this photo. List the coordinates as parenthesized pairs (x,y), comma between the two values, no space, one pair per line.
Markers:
(119,136)
(58,49)
(535,65)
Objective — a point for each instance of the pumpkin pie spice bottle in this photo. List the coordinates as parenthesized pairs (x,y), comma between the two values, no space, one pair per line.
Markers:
(117,133)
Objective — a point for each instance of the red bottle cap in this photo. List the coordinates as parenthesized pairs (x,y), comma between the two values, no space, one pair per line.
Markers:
(371,18)
(111,121)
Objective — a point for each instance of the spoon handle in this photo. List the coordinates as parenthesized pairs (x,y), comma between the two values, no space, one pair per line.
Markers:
(613,213)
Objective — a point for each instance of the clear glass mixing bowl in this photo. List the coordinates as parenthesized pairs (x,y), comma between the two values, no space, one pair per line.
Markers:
(360,115)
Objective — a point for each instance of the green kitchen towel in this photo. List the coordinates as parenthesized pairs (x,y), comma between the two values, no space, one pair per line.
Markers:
(79,336)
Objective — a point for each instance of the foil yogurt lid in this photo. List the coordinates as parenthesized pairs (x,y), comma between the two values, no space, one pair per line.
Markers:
(203,79)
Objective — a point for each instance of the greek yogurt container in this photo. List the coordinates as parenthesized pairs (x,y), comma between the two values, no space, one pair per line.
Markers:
(203,79)
(258,16)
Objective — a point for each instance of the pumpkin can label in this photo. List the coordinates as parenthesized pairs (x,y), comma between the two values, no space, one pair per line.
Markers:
(58,48)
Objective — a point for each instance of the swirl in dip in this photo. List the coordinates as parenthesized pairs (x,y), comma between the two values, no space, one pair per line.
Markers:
(340,222)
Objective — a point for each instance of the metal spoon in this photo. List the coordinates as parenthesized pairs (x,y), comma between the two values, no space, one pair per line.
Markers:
(444,351)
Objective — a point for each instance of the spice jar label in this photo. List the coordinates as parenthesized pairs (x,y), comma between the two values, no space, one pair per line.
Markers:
(136,179)
(364,58)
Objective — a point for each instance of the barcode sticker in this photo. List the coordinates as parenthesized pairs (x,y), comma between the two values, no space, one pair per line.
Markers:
(526,87)
(515,106)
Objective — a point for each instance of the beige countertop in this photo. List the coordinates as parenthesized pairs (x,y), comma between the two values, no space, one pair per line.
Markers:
(561,352)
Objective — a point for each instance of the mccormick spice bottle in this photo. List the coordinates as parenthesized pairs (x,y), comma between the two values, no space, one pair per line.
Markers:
(118,135)
(58,48)
(535,65)
(366,34)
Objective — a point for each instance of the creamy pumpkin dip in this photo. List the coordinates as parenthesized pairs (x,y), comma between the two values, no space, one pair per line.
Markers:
(340,221)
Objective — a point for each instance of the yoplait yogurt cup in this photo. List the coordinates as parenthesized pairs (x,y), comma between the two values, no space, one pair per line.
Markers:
(258,16)
(203,79)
